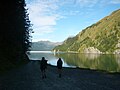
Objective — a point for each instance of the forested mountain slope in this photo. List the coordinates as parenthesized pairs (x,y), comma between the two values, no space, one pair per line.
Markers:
(101,37)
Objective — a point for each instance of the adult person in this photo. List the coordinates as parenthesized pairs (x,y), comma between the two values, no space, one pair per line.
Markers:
(43,67)
(59,66)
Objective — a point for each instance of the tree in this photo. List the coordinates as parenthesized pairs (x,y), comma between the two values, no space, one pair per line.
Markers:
(15,29)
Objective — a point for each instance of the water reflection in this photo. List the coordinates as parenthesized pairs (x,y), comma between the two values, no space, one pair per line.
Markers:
(91,56)
(109,62)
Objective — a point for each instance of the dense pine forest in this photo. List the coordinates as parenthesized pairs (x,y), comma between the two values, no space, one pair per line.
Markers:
(15,29)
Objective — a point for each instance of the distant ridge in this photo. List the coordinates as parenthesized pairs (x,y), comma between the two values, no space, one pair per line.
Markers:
(44,45)
(101,37)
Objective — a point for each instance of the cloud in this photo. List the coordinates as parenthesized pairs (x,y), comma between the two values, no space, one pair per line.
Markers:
(115,1)
(86,3)
(43,15)
(104,3)
(92,3)
(44,20)
(43,30)
(45,12)
(40,39)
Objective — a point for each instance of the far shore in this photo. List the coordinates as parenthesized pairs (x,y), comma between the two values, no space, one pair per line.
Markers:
(71,52)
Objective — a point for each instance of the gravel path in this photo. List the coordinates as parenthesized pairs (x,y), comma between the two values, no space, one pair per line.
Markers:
(28,77)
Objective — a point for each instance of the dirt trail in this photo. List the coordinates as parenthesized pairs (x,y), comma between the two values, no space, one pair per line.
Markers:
(28,77)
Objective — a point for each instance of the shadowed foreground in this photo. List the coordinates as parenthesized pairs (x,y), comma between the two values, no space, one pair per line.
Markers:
(28,77)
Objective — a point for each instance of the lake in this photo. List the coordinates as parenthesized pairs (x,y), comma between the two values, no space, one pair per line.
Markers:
(106,62)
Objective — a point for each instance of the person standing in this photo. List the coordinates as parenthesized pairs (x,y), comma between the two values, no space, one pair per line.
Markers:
(43,67)
(59,66)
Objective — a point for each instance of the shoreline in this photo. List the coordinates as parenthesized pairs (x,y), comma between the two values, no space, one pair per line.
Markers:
(28,77)
(79,68)
(86,69)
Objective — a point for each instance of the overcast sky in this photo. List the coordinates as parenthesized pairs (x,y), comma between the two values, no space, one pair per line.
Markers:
(56,20)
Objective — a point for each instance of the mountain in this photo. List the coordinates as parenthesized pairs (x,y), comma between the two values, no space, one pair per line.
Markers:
(101,37)
(43,45)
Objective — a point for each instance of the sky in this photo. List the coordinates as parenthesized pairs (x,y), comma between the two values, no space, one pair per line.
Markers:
(56,20)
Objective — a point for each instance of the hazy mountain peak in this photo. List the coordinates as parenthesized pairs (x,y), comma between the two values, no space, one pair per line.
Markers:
(44,45)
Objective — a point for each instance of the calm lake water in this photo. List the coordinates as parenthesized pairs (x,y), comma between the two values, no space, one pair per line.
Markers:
(105,62)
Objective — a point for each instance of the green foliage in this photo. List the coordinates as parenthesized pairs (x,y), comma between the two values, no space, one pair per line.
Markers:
(66,44)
